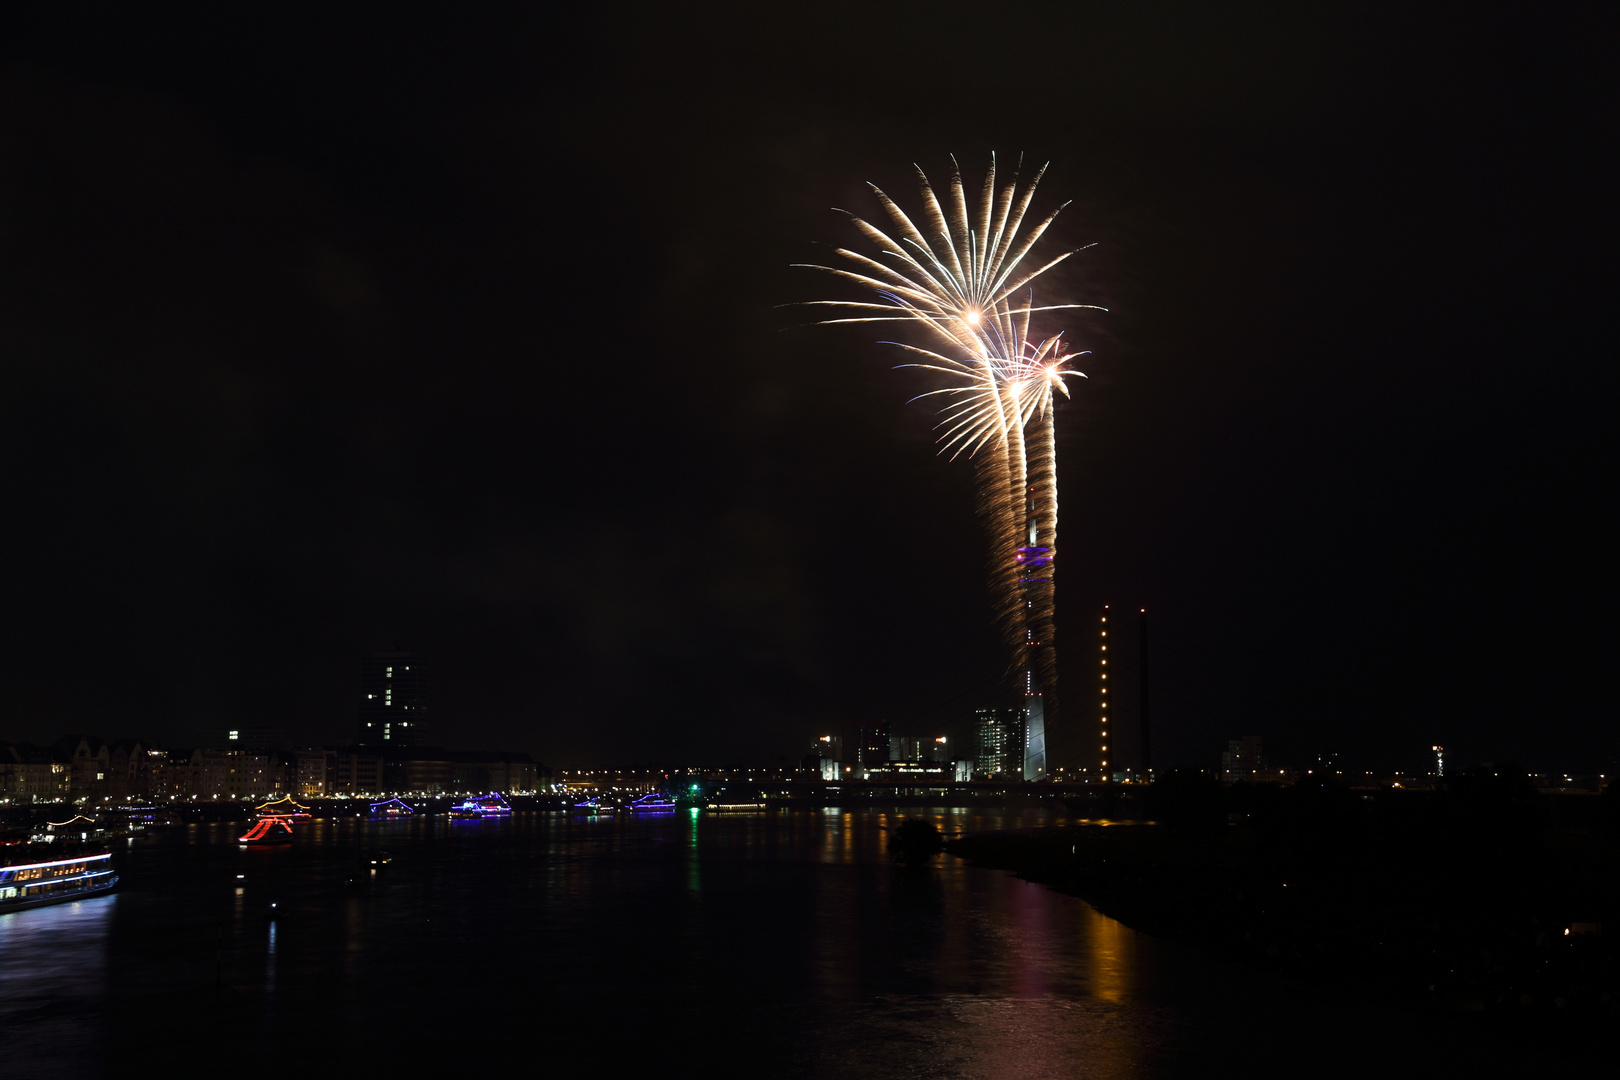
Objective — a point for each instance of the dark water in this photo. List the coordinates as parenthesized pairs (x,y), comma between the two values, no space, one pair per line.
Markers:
(777,945)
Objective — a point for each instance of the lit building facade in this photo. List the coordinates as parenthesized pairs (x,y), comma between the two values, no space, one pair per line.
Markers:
(1000,739)
(825,756)
(309,776)
(30,774)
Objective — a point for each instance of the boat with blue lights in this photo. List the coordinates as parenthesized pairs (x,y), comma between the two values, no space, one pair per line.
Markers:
(36,883)
(392,808)
(482,806)
(654,803)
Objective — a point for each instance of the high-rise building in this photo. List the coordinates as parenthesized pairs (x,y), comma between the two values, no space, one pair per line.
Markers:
(825,756)
(393,699)
(935,748)
(1243,759)
(1000,738)
(872,748)
(255,737)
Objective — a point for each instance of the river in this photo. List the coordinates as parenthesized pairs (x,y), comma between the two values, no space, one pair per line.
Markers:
(782,944)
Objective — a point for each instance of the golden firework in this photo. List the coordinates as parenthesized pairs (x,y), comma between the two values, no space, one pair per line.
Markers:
(961,276)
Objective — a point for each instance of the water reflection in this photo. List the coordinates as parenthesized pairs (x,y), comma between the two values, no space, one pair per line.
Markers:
(787,941)
(693,878)
(53,984)
(1110,955)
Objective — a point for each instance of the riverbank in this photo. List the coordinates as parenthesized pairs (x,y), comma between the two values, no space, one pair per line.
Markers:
(1511,925)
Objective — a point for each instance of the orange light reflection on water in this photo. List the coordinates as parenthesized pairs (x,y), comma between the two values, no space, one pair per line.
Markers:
(1110,949)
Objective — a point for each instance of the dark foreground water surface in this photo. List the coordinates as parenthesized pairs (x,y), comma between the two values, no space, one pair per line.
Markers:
(776,945)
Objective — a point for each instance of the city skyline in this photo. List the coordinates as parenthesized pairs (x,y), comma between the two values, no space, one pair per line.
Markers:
(296,321)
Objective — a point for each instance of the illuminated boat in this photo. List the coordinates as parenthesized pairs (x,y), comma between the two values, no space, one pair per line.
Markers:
(734,807)
(482,806)
(392,808)
(64,830)
(653,804)
(283,807)
(268,830)
(34,884)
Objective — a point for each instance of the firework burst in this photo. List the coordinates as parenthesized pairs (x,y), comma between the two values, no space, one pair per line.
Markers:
(962,277)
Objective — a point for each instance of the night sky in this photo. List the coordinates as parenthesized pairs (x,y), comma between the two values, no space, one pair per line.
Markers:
(463,329)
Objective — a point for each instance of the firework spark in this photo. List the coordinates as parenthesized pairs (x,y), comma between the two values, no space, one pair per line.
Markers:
(961,277)
(961,281)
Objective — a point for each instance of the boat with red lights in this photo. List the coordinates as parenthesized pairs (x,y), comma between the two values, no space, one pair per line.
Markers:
(35,883)
(482,806)
(392,808)
(268,830)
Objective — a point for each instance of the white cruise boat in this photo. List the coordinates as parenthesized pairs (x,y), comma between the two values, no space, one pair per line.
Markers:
(34,884)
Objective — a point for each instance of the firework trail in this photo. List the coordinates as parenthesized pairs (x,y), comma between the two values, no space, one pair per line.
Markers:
(961,276)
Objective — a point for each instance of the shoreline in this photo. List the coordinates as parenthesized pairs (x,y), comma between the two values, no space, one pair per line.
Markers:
(1335,923)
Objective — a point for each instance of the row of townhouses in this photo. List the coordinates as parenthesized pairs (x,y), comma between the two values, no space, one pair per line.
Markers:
(85,768)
